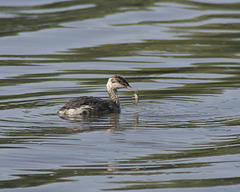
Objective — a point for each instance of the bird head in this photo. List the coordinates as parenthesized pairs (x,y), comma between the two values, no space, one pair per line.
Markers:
(118,82)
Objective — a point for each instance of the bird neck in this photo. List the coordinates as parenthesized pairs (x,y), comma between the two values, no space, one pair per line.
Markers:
(113,95)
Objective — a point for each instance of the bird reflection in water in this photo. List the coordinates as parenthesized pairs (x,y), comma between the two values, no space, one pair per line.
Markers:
(110,122)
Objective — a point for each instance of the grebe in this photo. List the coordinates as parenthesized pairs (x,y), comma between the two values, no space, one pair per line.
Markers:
(93,105)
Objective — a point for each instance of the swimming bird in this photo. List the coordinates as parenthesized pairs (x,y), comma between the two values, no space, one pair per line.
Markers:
(93,105)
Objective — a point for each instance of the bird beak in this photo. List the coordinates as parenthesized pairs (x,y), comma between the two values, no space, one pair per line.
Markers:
(131,89)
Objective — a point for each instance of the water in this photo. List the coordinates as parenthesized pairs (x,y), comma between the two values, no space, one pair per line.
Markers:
(182,56)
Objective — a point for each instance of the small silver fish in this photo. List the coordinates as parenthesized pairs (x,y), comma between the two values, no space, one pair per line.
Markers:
(136,97)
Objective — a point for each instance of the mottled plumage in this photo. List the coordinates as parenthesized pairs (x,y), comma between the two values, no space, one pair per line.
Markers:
(86,105)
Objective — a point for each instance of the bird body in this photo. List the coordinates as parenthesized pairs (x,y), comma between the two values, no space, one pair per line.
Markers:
(86,105)
(93,105)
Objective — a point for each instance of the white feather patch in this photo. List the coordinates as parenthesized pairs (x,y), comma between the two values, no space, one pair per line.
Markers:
(84,109)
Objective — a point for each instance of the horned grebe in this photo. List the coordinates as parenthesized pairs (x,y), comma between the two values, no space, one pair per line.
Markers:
(93,105)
